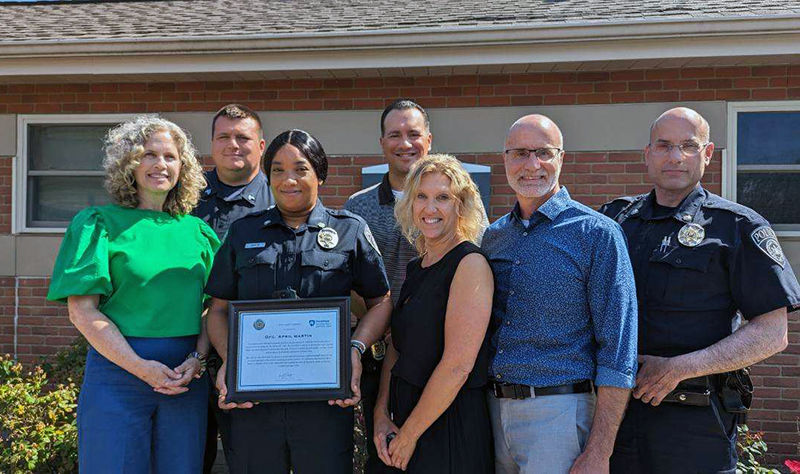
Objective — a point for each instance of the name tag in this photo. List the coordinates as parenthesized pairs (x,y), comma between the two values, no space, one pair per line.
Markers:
(255,245)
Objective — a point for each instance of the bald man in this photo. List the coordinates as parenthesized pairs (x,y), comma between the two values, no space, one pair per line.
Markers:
(564,317)
(698,260)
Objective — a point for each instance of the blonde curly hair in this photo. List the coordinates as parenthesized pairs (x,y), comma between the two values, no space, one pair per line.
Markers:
(124,148)
(468,199)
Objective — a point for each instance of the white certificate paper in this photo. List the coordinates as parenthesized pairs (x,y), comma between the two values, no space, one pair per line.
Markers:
(286,350)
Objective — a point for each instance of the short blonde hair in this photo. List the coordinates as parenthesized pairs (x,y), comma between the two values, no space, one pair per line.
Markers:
(463,189)
(124,148)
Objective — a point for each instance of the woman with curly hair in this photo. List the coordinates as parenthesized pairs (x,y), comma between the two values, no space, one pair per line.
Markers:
(431,413)
(132,274)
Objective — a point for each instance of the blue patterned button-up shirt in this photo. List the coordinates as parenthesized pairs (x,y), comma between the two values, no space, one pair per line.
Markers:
(565,300)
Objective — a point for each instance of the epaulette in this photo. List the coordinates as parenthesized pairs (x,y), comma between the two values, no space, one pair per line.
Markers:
(626,204)
(716,202)
(342,213)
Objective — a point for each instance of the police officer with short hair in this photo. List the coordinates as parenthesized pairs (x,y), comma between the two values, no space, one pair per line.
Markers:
(698,259)
(235,188)
(299,247)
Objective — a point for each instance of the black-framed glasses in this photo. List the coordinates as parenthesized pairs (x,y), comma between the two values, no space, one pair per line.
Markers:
(686,148)
(542,154)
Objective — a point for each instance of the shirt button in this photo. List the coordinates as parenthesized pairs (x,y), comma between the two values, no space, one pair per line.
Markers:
(525,234)
(498,376)
(677,260)
(500,351)
(516,262)
(508,323)
(511,292)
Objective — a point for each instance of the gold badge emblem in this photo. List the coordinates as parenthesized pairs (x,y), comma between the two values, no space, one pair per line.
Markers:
(327,238)
(691,235)
(378,350)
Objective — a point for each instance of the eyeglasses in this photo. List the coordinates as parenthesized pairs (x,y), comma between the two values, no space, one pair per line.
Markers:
(686,149)
(542,154)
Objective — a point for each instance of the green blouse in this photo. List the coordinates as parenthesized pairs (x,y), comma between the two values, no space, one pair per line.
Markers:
(148,267)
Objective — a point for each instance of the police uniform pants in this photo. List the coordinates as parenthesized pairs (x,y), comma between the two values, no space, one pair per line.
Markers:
(370,382)
(308,437)
(672,438)
(126,427)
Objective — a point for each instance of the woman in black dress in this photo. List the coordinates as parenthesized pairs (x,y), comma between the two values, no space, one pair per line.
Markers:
(431,403)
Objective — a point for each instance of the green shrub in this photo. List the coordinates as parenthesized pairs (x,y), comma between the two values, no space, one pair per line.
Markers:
(38,433)
(751,448)
(67,365)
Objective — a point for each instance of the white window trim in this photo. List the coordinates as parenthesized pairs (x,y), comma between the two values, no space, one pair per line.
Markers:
(20,163)
(729,168)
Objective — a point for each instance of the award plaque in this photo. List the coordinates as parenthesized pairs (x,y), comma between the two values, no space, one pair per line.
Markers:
(289,350)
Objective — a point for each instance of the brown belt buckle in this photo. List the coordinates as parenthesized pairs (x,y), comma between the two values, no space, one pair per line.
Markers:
(378,350)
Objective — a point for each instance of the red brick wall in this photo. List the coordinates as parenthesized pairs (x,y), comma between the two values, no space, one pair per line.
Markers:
(42,327)
(555,88)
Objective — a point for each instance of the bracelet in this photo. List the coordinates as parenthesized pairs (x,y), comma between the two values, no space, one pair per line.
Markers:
(200,357)
(360,346)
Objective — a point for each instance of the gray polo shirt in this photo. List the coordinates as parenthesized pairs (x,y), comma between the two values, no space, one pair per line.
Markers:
(376,205)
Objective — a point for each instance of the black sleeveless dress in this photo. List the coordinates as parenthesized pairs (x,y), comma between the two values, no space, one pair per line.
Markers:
(459,441)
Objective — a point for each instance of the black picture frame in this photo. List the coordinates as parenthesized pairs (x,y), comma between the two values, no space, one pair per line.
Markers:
(238,310)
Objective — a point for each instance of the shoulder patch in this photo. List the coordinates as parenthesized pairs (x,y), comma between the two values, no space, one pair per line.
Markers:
(766,240)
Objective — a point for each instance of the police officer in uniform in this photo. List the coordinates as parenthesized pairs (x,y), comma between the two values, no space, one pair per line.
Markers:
(297,247)
(236,187)
(698,259)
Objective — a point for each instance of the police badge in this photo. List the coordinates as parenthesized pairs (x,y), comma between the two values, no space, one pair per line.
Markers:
(766,240)
(327,238)
(691,235)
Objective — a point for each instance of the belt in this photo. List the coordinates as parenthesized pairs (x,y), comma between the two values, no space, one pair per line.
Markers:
(518,392)
(694,392)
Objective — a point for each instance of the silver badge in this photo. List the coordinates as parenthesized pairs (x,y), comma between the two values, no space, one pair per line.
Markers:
(327,238)
(371,240)
(766,240)
(691,235)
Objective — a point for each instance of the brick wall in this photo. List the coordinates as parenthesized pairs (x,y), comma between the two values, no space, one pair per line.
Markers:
(592,178)
(555,88)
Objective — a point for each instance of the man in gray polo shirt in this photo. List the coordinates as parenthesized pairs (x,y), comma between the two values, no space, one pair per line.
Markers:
(405,138)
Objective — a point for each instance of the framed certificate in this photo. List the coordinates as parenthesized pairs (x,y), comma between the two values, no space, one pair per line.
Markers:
(289,350)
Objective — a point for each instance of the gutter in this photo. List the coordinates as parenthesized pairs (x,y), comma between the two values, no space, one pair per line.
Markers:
(416,38)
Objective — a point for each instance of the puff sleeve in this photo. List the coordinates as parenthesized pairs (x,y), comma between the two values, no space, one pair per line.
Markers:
(81,266)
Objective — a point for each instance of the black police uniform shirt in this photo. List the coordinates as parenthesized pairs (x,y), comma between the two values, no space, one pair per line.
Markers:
(262,254)
(690,292)
(220,205)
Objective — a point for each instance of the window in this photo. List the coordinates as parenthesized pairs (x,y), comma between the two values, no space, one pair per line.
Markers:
(763,168)
(59,169)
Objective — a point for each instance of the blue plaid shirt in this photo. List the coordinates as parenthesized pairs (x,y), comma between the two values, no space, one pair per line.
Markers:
(565,300)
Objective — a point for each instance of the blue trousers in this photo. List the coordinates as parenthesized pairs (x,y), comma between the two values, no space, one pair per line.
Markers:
(126,427)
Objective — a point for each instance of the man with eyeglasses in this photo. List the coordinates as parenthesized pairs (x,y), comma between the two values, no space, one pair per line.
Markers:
(564,317)
(698,260)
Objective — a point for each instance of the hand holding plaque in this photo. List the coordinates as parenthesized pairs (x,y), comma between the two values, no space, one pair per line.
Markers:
(290,350)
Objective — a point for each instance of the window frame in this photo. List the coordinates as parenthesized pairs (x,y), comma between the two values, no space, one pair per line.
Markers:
(20,171)
(730,168)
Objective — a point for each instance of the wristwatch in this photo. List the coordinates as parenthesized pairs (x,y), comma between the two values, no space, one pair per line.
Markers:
(360,346)
(201,358)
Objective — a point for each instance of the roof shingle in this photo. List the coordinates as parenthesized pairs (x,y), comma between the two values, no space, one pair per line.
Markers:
(132,20)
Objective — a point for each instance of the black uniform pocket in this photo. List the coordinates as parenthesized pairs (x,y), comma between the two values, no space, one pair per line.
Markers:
(325,273)
(679,278)
(257,273)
